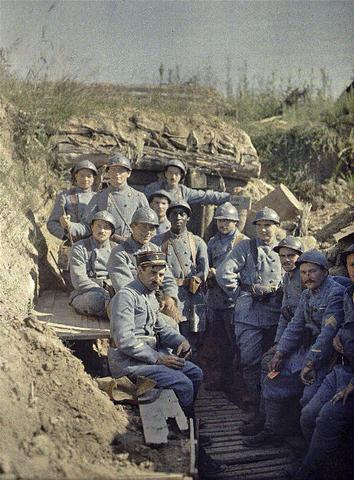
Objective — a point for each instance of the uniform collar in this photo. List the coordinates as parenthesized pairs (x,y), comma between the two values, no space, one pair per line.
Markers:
(116,189)
(174,236)
(97,245)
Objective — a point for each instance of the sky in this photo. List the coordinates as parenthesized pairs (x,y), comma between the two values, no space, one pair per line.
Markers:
(126,41)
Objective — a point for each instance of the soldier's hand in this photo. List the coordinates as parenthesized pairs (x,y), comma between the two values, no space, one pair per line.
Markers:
(275,363)
(308,374)
(343,394)
(184,350)
(260,290)
(171,361)
(337,344)
(118,238)
(64,221)
(212,272)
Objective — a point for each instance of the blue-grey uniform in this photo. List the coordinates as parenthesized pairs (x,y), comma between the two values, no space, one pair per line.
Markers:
(292,289)
(163,227)
(308,337)
(88,271)
(252,263)
(141,337)
(187,256)
(120,203)
(189,195)
(220,305)
(74,202)
(122,266)
(323,422)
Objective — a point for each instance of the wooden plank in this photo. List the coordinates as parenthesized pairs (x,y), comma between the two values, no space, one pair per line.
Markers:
(251,455)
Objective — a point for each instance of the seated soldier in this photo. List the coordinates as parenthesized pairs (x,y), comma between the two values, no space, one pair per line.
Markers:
(70,204)
(305,350)
(142,338)
(119,199)
(159,202)
(220,306)
(187,258)
(251,275)
(122,267)
(328,419)
(88,270)
(289,250)
(175,171)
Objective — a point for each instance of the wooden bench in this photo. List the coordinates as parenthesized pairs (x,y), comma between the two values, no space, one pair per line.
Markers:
(53,308)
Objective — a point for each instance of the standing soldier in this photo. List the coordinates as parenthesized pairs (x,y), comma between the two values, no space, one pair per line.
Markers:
(175,171)
(70,204)
(289,250)
(159,202)
(119,199)
(220,306)
(122,266)
(305,350)
(187,258)
(251,275)
(88,268)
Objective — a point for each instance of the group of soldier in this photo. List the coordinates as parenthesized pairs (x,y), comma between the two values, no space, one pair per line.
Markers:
(134,259)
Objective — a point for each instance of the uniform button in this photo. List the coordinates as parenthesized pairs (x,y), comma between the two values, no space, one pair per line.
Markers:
(185,252)
(272,270)
(125,205)
(271,281)
(186,264)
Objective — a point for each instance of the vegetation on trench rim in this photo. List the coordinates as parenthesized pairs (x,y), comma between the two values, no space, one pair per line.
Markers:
(300,144)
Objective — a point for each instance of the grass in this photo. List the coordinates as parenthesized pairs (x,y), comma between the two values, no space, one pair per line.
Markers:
(309,141)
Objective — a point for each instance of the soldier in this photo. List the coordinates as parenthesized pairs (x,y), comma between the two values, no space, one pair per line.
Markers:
(305,350)
(329,416)
(142,338)
(88,268)
(70,204)
(251,275)
(122,266)
(187,258)
(289,250)
(220,306)
(119,199)
(160,201)
(175,171)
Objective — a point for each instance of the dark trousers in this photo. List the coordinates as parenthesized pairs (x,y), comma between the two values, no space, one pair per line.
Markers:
(222,332)
(253,342)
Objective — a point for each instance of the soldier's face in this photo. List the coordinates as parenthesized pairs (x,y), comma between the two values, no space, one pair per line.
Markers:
(84,178)
(288,258)
(266,230)
(152,276)
(118,175)
(350,266)
(101,230)
(226,226)
(160,205)
(312,275)
(143,232)
(173,176)
(179,219)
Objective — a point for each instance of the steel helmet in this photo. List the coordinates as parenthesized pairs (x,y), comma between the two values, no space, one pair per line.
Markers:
(145,215)
(178,164)
(226,211)
(313,256)
(119,159)
(83,164)
(106,216)
(180,204)
(290,242)
(267,214)
(345,254)
(160,193)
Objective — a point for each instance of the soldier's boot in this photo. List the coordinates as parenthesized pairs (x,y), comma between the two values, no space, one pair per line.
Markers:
(264,438)
(253,427)
(270,433)
(207,467)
